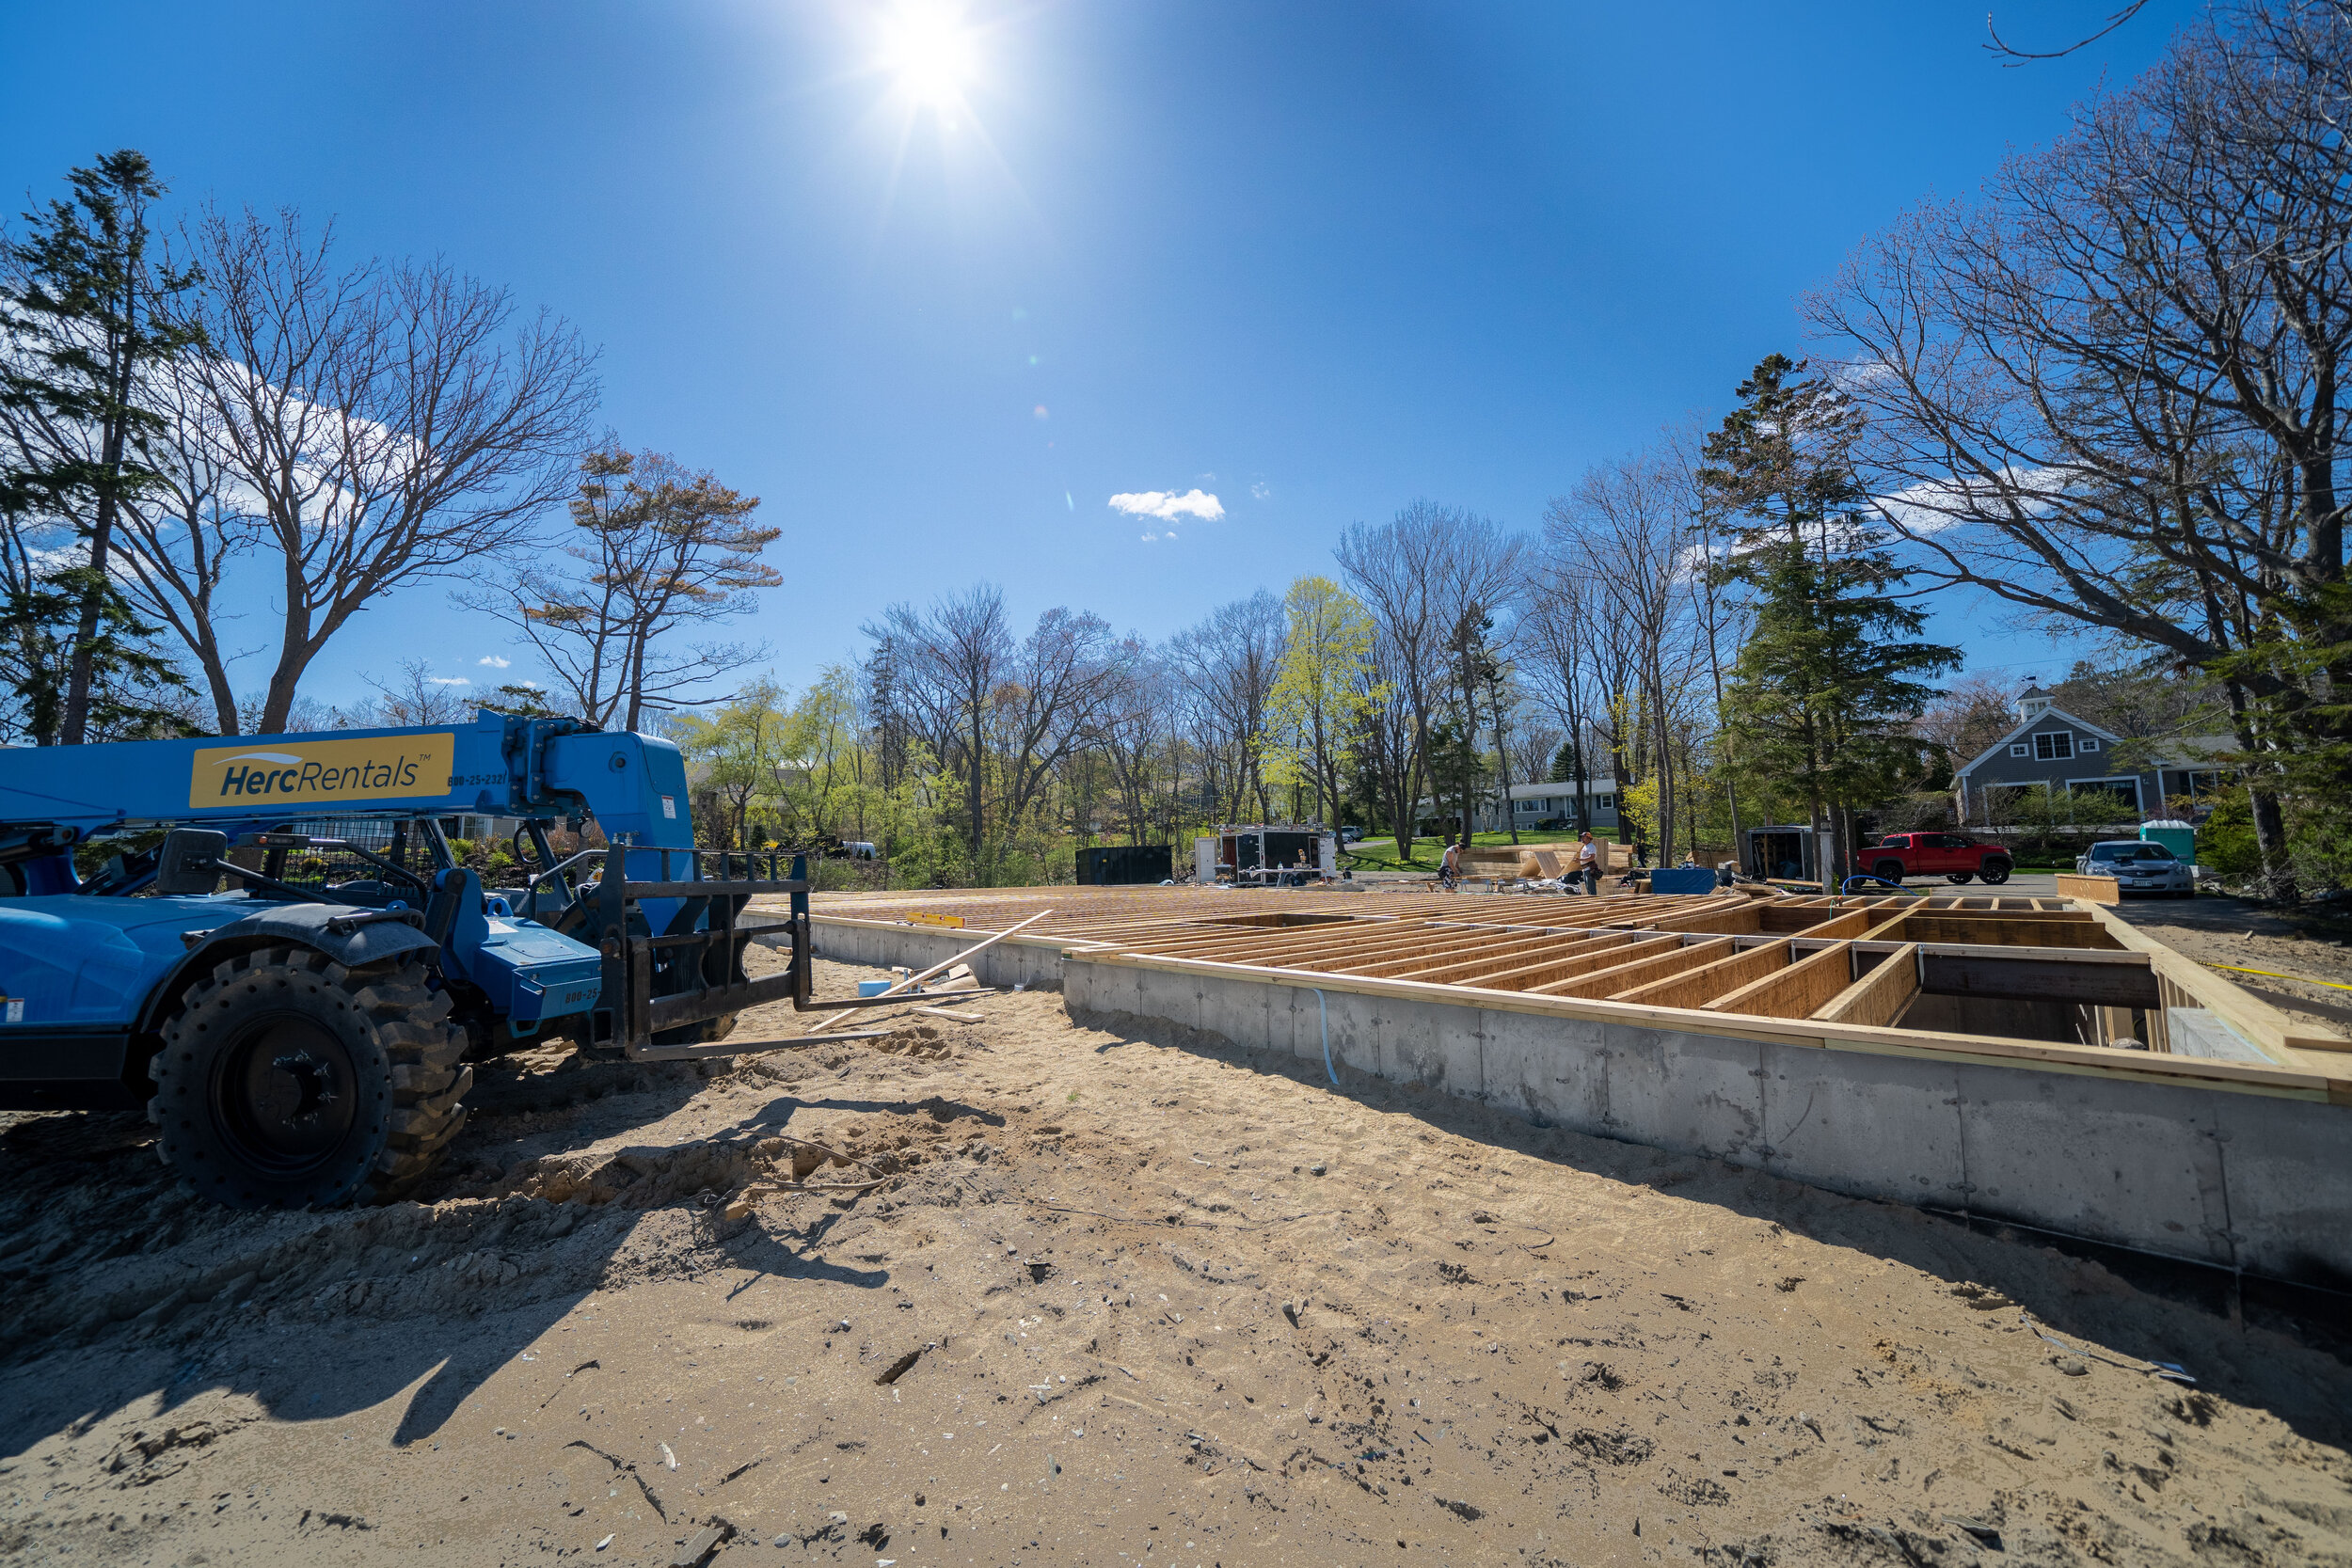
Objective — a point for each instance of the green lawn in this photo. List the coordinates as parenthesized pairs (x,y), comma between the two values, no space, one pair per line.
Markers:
(1380,854)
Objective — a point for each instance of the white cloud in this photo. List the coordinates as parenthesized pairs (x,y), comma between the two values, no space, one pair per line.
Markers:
(448,680)
(1260,490)
(495,662)
(1167,506)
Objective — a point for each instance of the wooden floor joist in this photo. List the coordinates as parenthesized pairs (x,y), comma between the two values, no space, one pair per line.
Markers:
(1659,960)
(1794,991)
(1700,986)
(1508,957)
(1879,998)
(1867,963)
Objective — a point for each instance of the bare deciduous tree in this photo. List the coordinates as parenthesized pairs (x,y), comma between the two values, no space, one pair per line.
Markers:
(367,426)
(659,549)
(1638,515)
(993,711)
(2113,392)
(1231,661)
(1424,576)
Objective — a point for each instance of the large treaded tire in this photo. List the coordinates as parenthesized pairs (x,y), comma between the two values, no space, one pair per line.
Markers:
(286,1081)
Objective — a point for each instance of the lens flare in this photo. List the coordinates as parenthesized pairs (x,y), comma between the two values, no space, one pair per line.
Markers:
(929,52)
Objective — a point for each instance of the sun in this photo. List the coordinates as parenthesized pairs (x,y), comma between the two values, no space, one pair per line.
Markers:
(928,53)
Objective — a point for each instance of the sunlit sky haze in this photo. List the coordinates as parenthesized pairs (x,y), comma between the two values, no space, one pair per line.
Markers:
(1124,306)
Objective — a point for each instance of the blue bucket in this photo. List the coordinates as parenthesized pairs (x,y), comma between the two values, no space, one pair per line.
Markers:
(872,988)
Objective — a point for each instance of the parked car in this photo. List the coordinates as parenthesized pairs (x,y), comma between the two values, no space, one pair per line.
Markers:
(1955,857)
(2137,865)
(1351,836)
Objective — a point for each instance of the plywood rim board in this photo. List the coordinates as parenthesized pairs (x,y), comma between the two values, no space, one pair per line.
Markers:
(2097,1061)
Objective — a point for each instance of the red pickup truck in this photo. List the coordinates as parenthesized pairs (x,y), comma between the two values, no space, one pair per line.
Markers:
(1954,857)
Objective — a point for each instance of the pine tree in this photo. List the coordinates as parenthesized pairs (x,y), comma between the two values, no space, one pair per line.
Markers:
(89,308)
(1822,695)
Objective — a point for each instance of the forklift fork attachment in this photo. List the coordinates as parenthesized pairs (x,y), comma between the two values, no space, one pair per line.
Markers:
(699,983)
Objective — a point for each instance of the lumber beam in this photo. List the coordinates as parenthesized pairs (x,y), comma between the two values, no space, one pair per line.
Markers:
(1878,1000)
(1793,990)
(1494,959)
(1734,920)
(1660,958)
(1540,977)
(2037,979)
(1700,986)
(2092,890)
(1992,930)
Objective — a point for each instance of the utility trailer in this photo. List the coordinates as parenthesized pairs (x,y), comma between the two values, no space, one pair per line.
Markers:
(284,962)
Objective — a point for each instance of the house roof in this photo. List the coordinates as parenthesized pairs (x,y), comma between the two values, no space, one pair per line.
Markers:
(2191,749)
(2023,725)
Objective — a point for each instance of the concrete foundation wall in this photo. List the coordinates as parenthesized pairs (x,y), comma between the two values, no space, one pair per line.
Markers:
(2252,1182)
(1032,962)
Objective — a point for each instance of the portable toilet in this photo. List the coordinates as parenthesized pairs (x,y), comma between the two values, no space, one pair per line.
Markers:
(2178,838)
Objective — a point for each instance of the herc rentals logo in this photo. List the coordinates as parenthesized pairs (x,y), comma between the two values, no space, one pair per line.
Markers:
(306,772)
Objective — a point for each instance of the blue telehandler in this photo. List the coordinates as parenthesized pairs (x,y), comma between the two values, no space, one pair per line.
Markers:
(286,963)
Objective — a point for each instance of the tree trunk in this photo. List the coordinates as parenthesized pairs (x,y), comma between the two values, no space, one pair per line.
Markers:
(1503,761)
(974,784)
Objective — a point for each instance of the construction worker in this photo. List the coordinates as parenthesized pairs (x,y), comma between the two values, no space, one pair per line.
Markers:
(1449,868)
(1588,863)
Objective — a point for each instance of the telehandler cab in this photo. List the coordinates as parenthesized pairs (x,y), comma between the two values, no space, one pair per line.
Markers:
(300,1036)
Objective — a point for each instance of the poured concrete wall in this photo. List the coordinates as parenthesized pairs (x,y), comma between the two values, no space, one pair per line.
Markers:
(1031,962)
(2253,1182)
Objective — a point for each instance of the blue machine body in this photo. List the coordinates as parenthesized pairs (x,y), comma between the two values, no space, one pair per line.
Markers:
(82,961)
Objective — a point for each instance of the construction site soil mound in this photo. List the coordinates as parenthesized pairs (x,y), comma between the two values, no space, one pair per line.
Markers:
(1046,1291)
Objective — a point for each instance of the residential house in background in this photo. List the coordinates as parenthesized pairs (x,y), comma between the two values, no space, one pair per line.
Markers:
(2050,747)
(1531,806)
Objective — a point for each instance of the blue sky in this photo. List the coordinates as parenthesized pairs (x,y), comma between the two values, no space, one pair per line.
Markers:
(1316,261)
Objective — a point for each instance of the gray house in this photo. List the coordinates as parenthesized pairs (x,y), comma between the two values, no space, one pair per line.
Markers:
(2052,748)
(1530,805)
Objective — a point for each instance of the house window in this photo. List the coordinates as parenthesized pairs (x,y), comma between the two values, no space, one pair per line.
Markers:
(2020,749)
(1605,803)
(2056,746)
(1529,805)
(2090,743)
(2124,790)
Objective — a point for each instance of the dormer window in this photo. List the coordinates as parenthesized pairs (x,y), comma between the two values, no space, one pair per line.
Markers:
(2090,743)
(2020,749)
(2054,746)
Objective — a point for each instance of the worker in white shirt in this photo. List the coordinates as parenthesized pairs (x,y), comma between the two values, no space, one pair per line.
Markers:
(1588,863)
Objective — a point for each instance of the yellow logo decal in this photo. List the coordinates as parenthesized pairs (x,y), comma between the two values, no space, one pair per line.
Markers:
(266,772)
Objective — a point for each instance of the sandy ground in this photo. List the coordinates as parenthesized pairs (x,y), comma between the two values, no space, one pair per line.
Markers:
(2297,948)
(1119,1297)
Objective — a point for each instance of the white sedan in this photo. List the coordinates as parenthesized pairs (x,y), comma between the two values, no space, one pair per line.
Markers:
(2138,867)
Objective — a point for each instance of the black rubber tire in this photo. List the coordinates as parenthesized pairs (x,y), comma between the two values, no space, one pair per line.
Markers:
(375,1080)
(1891,871)
(1959,876)
(1994,871)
